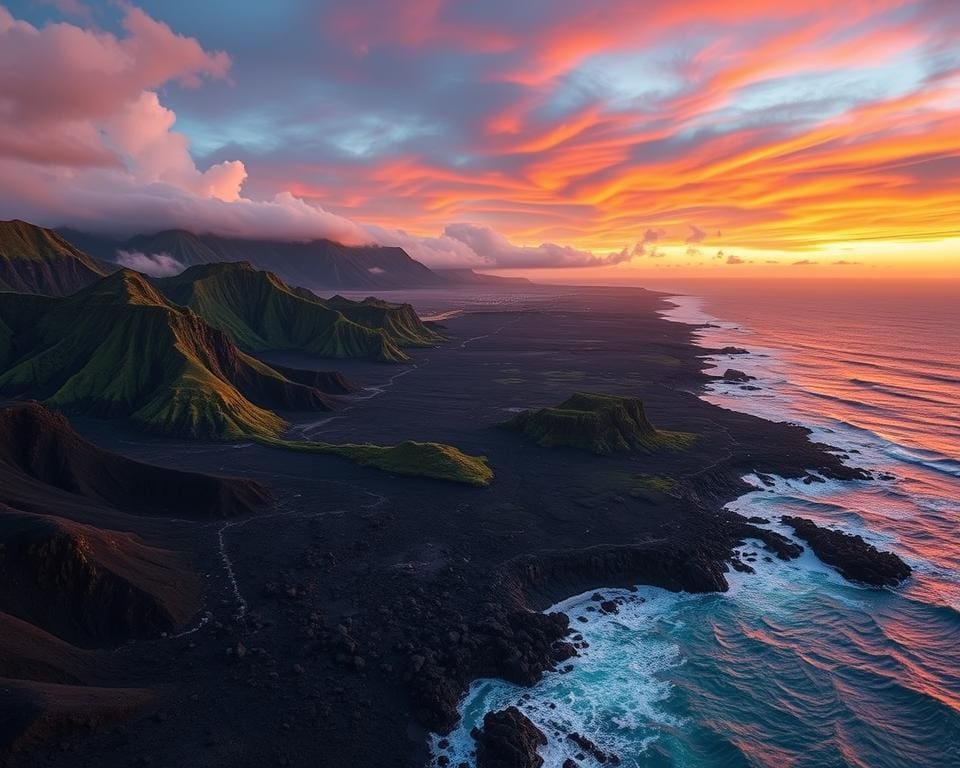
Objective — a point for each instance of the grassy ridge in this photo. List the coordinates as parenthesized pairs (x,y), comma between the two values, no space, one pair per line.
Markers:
(38,260)
(119,349)
(433,460)
(260,312)
(601,424)
(399,321)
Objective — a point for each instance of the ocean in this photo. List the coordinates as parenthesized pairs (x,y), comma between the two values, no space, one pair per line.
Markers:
(794,667)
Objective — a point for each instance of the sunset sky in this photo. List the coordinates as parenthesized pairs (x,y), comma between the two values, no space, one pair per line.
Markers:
(613,137)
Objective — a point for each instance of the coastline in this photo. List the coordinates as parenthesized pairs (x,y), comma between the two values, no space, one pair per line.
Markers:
(588,696)
(390,614)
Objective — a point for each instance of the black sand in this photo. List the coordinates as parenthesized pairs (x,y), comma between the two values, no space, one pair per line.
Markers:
(364,604)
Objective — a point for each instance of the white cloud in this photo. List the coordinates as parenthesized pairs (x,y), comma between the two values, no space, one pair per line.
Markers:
(153,264)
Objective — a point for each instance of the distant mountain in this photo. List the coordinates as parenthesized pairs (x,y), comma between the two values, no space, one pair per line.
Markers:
(118,348)
(259,312)
(466,277)
(319,264)
(38,260)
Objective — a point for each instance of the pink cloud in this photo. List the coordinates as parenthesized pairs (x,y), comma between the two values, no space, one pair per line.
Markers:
(85,141)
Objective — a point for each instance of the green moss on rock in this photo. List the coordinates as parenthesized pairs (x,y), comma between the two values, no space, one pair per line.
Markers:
(598,423)
(415,459)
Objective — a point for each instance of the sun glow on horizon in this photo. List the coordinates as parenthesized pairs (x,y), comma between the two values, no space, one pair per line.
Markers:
(724,138)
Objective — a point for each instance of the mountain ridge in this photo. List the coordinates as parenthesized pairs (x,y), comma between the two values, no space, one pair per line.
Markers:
(38,260)
(118,348)
(260,312)
(316,264)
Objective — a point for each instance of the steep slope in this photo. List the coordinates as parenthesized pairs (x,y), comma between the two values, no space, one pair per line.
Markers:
(42,458)
(119,349)
(601,424)
(87,585)
(32,713)
(399,322)
(72,579)
(259,312)
(27,652)
(316,264)
(38,260)
(330,382)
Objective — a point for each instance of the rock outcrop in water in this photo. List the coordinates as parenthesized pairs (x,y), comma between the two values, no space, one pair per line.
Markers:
(602,424)
(855,559)
(736,377)
(508,740)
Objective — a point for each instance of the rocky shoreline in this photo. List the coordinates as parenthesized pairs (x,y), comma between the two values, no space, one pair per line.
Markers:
(370,603)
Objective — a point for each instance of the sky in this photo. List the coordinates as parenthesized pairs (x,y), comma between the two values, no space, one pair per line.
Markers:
(610,139)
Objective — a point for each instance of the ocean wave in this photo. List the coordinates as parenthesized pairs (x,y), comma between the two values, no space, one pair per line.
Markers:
(793,665)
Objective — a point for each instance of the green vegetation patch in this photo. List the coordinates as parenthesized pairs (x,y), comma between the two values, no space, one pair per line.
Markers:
(598,423)
(615,484)
(433,460)
(118,349)
(260,312)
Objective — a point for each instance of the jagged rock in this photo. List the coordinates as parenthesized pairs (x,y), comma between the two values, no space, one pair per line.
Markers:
(735,376)
(508,740)
(854,558)
(592,749)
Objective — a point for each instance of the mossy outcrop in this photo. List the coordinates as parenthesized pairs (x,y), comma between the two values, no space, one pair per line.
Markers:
(437,461)
(601,424)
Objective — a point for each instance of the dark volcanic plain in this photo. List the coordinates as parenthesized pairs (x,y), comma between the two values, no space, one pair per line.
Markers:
(364,604)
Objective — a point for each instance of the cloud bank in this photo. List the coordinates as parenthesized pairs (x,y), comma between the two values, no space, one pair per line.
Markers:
(787,129)
(86,143)
(153,264)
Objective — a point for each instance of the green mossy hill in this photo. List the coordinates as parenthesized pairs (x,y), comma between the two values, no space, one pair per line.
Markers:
(260,312)
(38,260)
(433,460)
(119,349)
(602,424)
(399,321)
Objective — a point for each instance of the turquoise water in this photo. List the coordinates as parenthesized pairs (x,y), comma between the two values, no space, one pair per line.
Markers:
(794,667)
